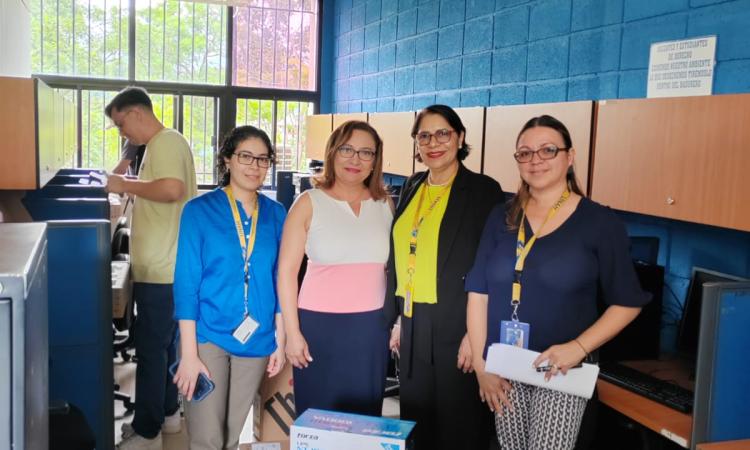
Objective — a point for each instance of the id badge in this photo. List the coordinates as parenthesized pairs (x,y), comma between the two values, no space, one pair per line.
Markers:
(245,330)
(515,333)
(408,302)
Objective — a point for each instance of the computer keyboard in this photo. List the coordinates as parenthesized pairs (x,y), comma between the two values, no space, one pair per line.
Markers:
(661,391)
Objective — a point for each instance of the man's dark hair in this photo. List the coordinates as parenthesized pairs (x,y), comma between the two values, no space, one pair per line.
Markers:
(130,96)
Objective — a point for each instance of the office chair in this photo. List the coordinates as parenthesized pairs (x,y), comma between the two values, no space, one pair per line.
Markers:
(392,383)
(122,344)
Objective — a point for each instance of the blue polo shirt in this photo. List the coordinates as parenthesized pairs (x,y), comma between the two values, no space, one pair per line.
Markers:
(208,279)
(565,273)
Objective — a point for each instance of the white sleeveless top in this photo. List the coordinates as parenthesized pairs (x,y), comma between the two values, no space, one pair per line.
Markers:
(346,255)
(337,236)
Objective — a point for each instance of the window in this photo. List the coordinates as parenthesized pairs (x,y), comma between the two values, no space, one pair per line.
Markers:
(179,51)
(284,122)
(180,41)
(199,129)
(259,113)
(101,142)
(290,134)
(80,37)
(275,44)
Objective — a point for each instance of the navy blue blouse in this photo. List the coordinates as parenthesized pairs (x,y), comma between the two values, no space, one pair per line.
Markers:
(564,274)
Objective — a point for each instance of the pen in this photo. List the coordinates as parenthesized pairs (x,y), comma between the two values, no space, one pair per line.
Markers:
(548,368)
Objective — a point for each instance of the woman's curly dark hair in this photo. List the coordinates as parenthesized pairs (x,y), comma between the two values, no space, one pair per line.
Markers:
(231,140)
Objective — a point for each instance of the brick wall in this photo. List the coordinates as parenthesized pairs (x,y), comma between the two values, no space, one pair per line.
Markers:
(400,55)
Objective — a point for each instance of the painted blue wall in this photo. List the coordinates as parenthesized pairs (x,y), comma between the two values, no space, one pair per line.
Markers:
(401,55)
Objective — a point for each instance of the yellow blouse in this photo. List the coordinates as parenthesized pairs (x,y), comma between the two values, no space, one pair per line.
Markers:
(425,275)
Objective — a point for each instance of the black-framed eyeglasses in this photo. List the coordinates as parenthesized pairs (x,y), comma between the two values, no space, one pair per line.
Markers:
(264,162)
(524,155)
(364,154)
(442,136)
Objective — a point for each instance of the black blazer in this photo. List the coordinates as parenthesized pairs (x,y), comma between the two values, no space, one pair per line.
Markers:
(471,199)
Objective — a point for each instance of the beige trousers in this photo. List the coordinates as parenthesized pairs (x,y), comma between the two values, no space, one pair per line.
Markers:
(215,422)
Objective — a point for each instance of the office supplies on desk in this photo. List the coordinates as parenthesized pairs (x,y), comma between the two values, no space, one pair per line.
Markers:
(664,392)
(515,363)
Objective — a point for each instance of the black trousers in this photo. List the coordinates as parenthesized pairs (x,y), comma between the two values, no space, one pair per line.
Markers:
(442,399)
(155,347)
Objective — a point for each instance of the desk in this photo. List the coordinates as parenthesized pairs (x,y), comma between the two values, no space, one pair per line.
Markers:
(666,421)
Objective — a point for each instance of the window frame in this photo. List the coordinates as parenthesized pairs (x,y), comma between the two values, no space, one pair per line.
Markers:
(226,93)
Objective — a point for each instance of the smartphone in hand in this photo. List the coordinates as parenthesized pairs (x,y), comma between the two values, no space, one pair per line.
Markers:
(203,386)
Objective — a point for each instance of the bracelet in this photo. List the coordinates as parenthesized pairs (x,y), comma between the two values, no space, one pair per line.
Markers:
(581,345)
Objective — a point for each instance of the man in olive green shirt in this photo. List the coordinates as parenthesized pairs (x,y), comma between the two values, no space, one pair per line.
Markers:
(166,181)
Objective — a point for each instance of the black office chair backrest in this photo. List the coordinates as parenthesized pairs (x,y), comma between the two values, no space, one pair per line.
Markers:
(121,242)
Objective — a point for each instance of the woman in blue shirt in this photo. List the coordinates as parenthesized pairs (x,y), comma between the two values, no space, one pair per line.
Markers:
(225,294)
(539,270)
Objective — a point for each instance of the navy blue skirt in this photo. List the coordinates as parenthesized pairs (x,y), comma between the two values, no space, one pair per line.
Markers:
(350,360)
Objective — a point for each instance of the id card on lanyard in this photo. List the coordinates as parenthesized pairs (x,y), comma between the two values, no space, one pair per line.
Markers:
(412,261)
(515,332)
(248,325)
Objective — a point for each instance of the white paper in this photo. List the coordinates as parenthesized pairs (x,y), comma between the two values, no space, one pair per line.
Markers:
(515,363)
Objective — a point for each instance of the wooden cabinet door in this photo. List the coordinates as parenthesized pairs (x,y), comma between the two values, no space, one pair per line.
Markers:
(18,148)
(317,133)
(683,158)
(504,122)
(398,147)
(38,128)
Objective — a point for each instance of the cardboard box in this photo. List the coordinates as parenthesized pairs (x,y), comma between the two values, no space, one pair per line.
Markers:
(330,430)
(273,409)
(122,291)
(265,446)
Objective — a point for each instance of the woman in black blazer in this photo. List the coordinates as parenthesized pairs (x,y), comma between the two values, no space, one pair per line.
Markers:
(436,231)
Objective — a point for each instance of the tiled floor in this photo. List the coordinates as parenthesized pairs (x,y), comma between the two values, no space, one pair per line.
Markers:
(125,377)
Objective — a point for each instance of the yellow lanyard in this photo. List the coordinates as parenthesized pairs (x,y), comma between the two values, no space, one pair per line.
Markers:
(523,249)
(247,245)
(416,223)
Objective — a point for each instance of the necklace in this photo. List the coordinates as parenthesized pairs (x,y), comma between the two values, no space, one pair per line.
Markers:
(431,183)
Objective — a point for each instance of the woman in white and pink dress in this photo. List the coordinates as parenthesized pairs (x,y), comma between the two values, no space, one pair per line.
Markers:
(337,338)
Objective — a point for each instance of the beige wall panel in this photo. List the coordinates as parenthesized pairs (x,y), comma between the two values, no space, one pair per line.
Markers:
(473,120)
(318,131)
(338,119)
(398,146)
(504,122)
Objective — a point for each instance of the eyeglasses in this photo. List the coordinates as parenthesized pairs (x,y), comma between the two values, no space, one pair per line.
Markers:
(441,136)
(122,120)
(524,155)
(364,154)
(264,162)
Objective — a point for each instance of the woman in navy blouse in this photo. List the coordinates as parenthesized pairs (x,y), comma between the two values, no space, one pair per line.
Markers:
(225,291)
(541,265)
